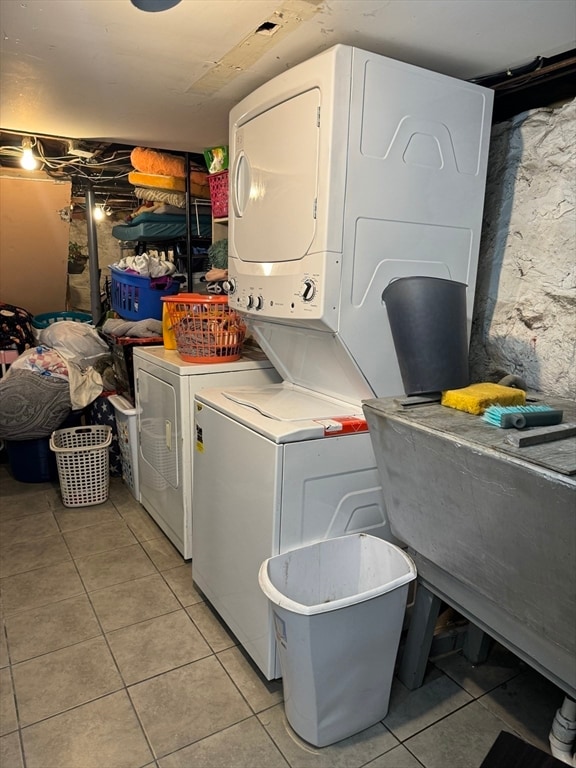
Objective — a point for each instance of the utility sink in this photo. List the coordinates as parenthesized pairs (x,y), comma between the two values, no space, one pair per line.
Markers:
(491,527)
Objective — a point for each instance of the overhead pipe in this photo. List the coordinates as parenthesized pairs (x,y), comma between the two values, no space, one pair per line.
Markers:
(95,302)
(563,732)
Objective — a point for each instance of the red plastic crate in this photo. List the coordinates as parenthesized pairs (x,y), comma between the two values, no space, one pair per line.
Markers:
(219,194)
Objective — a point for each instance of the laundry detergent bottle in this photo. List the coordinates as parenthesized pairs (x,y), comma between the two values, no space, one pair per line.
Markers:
(168,335)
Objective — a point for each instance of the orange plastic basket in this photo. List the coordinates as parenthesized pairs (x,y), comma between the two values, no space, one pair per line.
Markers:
(207,330)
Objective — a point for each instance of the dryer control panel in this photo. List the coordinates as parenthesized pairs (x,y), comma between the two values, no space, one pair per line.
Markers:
(293,296)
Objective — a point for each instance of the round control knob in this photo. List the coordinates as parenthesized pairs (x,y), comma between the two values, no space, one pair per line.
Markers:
(250,302)
(258,302)
(308,290)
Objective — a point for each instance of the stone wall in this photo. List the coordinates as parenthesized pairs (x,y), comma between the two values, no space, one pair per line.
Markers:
(108,253)
(525,313)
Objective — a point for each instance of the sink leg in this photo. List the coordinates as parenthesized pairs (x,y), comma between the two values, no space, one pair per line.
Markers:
(477,644)
(419,638)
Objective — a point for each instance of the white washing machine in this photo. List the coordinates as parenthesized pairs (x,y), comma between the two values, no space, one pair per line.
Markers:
(347,172)
(165,389)
(287,483)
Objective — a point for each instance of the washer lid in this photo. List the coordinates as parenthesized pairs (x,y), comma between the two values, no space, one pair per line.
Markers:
(284,413)
(288,402)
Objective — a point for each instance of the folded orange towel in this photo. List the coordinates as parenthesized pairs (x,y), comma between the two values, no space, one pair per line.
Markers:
(159,163)
(198,183)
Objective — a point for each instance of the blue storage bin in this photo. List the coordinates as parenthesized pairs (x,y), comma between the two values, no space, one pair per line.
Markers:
(46,319)
(135,297)
(32,461)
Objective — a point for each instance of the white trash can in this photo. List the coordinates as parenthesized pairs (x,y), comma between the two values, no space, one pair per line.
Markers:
(338,610)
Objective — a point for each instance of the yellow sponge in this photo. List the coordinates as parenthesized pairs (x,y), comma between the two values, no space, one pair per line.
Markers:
(477,397)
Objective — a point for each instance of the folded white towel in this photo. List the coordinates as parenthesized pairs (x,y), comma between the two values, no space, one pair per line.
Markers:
(147,265)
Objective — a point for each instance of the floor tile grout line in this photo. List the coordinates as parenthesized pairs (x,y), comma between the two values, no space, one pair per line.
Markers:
(45,513)
(495,686)
(142,727)
(243,653)
(54,715)
(53,650)
(102,634)
(94,608)
(173,591)
(232,636)
(108,632)
(253,715)
(134,623)
(459,708)
(124,581)
(29,570)
(420,764)
(229,676)
(507,722)
(382,754)
(124,687)
(22,752)
(14,697)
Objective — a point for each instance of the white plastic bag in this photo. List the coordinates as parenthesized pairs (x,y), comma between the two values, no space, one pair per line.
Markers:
(78,342)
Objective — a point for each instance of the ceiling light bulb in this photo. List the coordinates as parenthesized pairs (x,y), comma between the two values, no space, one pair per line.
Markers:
(98,213)
(28,160)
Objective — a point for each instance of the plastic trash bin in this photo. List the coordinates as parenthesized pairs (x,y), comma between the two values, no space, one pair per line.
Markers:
(338,609)
(429,328)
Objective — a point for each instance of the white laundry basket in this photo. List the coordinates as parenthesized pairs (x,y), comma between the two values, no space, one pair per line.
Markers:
(83,464)
(338,610)
(127,429)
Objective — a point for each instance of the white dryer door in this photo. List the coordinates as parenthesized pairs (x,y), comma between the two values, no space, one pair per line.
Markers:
(160,456)
(273,184)
(158,428)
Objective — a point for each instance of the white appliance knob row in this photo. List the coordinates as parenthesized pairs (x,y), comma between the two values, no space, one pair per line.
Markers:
(254,302)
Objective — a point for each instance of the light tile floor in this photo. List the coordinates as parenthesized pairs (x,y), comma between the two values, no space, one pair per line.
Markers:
(109,658)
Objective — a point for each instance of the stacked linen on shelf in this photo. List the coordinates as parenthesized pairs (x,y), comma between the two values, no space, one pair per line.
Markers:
(144,226)
(159,181)
(162,218)
(165,173)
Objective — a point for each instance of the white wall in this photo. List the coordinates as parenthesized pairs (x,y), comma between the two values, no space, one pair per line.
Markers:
(525,315)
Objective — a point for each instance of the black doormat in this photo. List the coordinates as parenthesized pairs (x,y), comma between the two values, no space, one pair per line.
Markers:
(509,751)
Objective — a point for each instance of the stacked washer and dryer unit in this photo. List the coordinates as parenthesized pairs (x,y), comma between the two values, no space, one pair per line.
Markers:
(348,171)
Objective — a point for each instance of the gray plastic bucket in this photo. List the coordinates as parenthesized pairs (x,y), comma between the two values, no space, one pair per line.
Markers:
(428,322)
